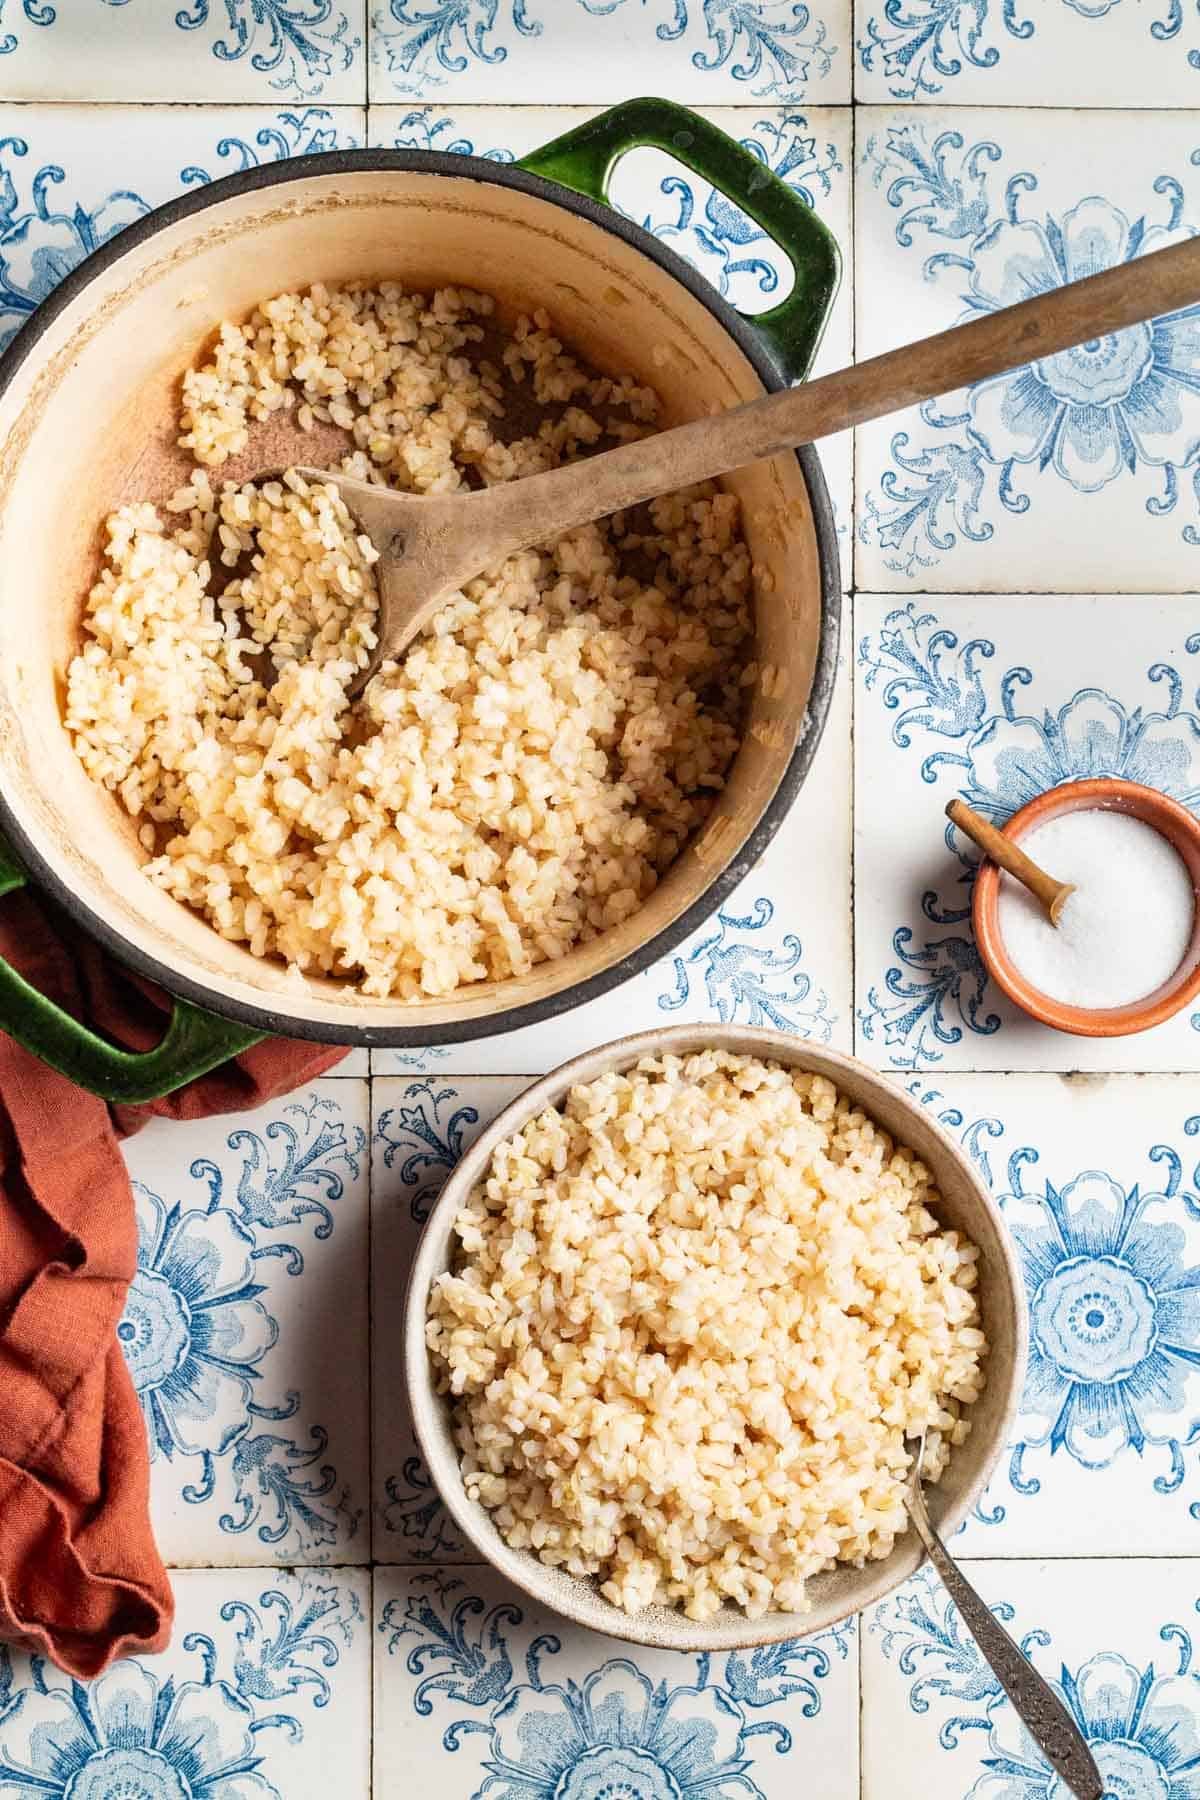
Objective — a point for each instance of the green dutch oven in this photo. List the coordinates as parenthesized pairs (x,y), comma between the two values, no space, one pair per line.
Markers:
(88,404)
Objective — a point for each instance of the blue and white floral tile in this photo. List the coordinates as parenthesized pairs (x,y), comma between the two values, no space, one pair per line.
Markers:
(1037,54)
(996,698)
(1075,474)
(212,50)
(246,1329)
(420,1128)
(708,52)
(777,952)
(72,177)
(1098,1179)
(1117,1639)
(477,1690)
(810,150)
(264,1691)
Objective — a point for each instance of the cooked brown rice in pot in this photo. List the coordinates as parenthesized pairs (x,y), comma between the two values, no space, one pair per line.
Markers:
(520,780)
(692,1319)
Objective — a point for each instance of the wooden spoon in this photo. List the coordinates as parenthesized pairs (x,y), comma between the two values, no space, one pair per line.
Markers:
(430,545)
(1052,894)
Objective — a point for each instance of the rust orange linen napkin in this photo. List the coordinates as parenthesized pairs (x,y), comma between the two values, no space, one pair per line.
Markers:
(81,1580)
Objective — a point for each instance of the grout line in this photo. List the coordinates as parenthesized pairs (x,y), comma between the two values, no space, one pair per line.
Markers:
(859,1635)
(371,1648)
(851,596)
(974,1558)
(370,1314)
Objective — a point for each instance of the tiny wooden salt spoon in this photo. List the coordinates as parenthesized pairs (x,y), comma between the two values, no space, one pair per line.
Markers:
(1011,857)
(431,544)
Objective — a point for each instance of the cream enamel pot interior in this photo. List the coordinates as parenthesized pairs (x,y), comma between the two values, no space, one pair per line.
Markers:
(966,1205)
(88,404)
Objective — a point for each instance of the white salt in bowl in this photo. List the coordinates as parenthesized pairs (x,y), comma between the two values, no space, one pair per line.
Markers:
(966,1205)
(1177,826)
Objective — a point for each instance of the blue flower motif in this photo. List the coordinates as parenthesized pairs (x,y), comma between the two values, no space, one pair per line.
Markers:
(193,1331)
(934,992)
(38,12)
(1013,757)
(438,38)
(428,1134)
(130,1735)
(307,133)
(922,44)
(301,44)
(1113,401)
(1114,1313)
(421,130)
(38,246)
(617,1734)
(614,1733)
(1142,1731)
(415,1512)
(921,1627)
(750,983)
(769,42)
(768,39)
(719,239)
(1118,405)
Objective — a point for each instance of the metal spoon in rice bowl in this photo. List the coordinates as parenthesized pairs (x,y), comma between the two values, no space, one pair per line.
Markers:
(965,1205)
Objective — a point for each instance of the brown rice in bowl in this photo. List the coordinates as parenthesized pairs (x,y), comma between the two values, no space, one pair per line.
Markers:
(519,782)
(683,1319)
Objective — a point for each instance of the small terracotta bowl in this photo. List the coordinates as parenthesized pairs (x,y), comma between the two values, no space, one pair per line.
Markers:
(1181,830)
(966,1205)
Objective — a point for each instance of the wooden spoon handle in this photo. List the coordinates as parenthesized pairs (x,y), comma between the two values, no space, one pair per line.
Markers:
(514,515)
(1052,894)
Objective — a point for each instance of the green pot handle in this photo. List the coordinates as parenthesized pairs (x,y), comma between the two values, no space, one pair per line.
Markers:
(194,1042)
(584,159)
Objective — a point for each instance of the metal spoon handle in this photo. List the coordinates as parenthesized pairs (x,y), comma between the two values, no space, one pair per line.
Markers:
(1047,1719)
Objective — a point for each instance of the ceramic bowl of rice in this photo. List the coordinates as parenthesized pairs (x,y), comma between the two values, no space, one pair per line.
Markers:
(677,1320)
(591,743)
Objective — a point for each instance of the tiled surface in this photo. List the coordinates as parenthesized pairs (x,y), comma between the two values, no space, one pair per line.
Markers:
(465,1669)
(1077,474)
(709,52)
(995,697)
(1116,1639)
(1025,556)
(265,1690)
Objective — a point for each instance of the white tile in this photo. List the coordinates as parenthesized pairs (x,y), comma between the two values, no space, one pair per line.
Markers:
(997,697)
(72,177)
(264,1691)
(1098,1178)
(420,1129)
(1116,1638)
(214,50)
(471,1678)
(1076,475)
(246,1329)
(599,51)
(1043,53)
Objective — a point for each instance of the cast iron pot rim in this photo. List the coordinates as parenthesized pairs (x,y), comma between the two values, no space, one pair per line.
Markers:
(331,163)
